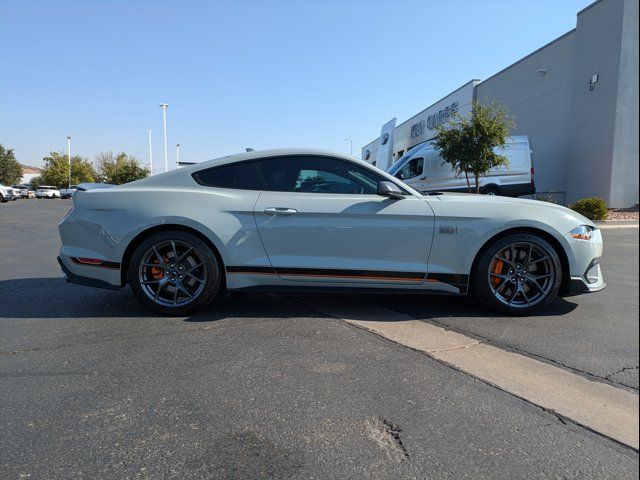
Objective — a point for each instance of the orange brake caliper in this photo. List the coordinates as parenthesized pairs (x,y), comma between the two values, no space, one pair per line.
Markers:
(157,272)
(497,269)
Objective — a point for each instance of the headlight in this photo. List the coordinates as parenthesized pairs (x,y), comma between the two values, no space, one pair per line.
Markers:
(582,232)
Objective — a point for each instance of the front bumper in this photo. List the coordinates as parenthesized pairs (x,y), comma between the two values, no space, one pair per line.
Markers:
(590,282)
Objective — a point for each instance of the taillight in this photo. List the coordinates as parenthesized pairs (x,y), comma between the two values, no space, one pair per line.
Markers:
(532,176)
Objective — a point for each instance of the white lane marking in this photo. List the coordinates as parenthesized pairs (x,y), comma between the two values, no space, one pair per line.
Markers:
(611,411)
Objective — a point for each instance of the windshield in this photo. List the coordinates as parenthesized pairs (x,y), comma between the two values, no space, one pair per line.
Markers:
(396,166)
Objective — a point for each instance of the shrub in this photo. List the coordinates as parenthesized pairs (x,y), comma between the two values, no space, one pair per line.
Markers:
(593,208)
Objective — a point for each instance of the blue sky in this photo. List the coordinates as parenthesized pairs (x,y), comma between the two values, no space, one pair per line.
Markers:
(239,74)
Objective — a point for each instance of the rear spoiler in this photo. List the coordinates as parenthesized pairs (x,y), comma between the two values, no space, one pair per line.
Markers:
(83,187)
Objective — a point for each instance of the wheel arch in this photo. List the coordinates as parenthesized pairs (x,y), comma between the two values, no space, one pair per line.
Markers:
(143,235)
(562,254)
(491,186)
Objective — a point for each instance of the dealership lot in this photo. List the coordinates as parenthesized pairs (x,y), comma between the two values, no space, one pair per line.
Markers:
(264,385)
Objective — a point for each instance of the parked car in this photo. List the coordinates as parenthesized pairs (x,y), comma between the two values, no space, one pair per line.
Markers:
(68,192)
(21,191)
(47,191)
(424,169)
(313,220)
(6,194)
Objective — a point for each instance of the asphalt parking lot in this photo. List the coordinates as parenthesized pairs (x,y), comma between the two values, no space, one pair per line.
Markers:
(265,386)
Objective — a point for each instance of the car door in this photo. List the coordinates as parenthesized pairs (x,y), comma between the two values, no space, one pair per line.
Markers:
(320,220)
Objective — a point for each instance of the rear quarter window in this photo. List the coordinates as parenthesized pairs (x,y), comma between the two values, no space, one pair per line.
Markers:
(240,176)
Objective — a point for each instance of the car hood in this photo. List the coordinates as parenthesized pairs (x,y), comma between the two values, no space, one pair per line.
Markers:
(520,206)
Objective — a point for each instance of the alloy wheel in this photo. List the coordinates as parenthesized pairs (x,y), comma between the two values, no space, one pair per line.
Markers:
(172,273)
(521,274)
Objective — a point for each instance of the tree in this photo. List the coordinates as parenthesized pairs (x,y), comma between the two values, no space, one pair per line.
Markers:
(37,181)
(468,143)
(120,169)
(56,170)
(10,169)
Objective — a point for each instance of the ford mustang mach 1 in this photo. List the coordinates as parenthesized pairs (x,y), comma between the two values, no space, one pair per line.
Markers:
(310,220)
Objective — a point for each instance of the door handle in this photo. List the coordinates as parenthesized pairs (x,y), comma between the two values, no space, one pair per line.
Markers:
(280,211)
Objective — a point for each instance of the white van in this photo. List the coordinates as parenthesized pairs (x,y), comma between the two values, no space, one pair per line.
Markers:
(422,168)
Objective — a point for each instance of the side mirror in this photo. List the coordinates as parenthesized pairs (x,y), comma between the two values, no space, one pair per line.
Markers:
(390,189)
(400,175)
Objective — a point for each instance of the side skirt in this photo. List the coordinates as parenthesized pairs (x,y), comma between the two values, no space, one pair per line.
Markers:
(458,281)
(345,290)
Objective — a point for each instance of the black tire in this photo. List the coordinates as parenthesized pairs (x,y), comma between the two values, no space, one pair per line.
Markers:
(492,292)
(211,272)
(2,199)
(491,190)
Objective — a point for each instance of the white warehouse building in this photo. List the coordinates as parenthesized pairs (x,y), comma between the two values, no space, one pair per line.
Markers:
(576,99)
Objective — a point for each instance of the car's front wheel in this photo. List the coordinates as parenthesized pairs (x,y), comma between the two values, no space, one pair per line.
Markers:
(518,274)
(174,273)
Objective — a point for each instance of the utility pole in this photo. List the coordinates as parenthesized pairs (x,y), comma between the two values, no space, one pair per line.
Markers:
(150,154)
(351,145)
(164,107)
(177,156)
(69,159)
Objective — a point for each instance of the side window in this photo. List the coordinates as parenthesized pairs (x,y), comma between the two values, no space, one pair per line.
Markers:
(242,176)
(413,168)
(311,174)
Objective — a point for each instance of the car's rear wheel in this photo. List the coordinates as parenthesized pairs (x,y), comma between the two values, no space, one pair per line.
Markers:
(518,274)
(174,273)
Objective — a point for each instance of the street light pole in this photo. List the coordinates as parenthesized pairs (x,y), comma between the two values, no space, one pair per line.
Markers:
(351,145)
(177,156)
(164,107)
(69,159)
(150,154)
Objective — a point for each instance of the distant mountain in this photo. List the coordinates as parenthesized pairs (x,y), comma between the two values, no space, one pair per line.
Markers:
(28,169)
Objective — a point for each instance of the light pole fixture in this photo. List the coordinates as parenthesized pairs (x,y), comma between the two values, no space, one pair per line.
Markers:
(177,156)
(150,153)
(164,107)
(69,159)
(350,145)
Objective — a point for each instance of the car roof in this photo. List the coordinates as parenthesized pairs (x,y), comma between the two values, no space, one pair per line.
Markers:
(252,155)
(276,152)
(174,176)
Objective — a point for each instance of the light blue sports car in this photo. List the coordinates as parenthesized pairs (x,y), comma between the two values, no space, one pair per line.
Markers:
(311,220)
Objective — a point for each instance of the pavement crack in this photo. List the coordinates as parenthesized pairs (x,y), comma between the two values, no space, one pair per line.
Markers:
(474,344)
(386,436)
(622,370)
(508,347)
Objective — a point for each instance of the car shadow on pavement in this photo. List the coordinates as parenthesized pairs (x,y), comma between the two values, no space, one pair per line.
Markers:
(56,298)
(442,306)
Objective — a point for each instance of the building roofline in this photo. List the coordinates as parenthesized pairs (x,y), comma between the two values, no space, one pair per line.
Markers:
(427,108)
(438,101)
(588,7)
(530,54)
